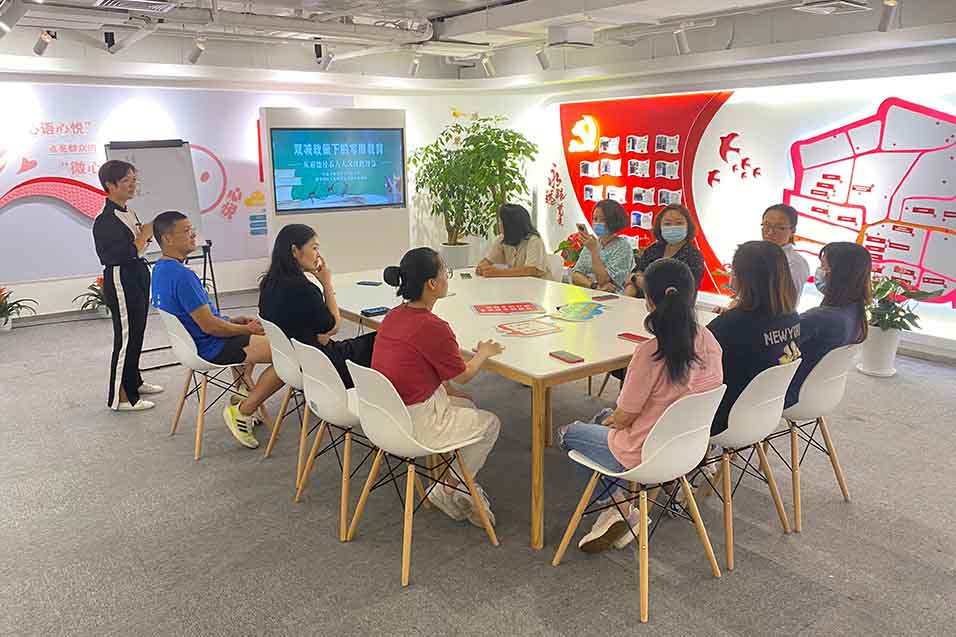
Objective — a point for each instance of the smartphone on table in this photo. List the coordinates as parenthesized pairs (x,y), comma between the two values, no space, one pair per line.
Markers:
(631,336)
(374,311)
(605,297)
(566,357)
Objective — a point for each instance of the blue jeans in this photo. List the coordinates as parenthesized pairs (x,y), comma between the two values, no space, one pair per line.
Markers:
(590,439)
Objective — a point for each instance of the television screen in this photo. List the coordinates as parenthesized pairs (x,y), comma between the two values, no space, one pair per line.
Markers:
(318,169)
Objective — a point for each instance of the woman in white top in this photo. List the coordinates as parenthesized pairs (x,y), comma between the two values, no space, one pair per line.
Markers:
(518,250)
(779,225)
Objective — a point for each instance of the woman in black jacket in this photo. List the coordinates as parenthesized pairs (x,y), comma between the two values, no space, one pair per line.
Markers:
(290,298)
(121,241)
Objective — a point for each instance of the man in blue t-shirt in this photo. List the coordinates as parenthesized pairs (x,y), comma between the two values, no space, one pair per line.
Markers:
(219,339)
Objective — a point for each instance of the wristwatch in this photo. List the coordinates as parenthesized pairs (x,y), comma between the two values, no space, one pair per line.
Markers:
(594,285)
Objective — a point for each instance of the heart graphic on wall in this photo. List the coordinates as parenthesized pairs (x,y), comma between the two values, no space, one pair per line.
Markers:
(26,165)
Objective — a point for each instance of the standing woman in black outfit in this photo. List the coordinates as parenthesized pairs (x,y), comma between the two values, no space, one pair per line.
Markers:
(121,242)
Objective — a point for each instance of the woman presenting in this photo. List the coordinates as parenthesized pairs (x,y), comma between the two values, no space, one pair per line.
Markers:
(121,242)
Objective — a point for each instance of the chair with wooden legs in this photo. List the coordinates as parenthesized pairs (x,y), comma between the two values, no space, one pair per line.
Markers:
(286,363)
(387,424)
(674,447)
(184,349)
(821,393)
(754,416)
(337,411)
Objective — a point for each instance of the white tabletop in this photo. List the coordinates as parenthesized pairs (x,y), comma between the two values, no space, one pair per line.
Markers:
(595,340)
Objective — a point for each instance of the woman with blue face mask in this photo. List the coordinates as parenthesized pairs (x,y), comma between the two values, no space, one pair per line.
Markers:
(674,231)
(606,258)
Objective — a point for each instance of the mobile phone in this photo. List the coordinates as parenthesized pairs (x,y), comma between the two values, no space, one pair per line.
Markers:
(374,311)
(630,336)
(583,229)
(465,275)
(566,357)
(604,297)
(369,283)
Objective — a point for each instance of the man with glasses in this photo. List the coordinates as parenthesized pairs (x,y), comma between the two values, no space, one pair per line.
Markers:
(779,225)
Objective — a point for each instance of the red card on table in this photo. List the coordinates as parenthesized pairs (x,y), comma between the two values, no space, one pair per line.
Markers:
(507,308)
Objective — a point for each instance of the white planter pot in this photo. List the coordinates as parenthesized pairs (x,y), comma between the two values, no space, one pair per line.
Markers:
(456,257)
(879,353)
(6,324)
(103,311)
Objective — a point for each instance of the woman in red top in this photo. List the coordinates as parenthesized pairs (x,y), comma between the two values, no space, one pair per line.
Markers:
(419,354)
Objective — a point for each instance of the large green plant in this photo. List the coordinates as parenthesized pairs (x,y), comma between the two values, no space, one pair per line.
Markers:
(473,167)
(892,307)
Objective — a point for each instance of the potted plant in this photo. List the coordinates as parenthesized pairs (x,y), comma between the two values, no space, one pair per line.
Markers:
(570,249)
(93,298)
(10,308)
(473,167)
(890,313)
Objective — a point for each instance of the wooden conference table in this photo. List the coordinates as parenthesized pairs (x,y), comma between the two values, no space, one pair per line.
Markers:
(525,359)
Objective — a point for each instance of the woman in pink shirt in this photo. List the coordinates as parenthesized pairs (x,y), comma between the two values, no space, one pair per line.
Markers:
(684,358)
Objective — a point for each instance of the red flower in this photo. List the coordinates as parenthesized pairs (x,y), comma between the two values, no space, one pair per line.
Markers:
(99,281)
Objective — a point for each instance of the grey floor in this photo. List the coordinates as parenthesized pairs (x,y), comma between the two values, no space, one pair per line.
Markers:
(109,527)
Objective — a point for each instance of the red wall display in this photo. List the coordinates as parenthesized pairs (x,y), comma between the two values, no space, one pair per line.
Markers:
(656,140)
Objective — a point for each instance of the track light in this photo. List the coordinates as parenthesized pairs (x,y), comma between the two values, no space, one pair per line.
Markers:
(887,15)
(200,45)
(325,62)
(43,41)
(680,41)
(487,65)
(543,59)
(414,66)
(13,14)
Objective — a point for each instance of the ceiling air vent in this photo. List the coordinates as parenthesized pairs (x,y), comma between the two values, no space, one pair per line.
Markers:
(833,7)
(138,6)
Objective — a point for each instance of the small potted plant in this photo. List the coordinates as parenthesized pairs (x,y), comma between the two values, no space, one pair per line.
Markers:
(890,314)
(93,298)
(570,249)
(10,308)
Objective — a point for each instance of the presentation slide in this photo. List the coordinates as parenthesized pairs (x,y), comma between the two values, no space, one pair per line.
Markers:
(335,168)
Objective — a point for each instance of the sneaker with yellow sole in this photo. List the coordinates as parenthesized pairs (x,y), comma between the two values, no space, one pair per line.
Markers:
(240,426)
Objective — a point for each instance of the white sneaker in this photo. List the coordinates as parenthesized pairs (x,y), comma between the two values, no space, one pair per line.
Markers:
(141,405)
(634,520)
(608,529)
(149,388)
(465,503)
(444,499)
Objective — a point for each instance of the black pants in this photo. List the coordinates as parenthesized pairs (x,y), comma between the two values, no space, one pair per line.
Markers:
(358,350)
(126,290)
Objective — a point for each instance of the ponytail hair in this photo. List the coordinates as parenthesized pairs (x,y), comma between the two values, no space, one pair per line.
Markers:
(417,267)
(671,287)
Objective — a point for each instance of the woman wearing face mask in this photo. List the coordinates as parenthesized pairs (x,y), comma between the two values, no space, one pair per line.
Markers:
(419,354)
(606,258)
(675,231)
(844,279)
(779,225)
(682,359)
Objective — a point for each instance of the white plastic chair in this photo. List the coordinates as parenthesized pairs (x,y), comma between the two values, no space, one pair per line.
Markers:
(753,416)
(555,267)
(822,392)
(386,422)
(285,361)
(674,447)
(336,408)
(184,349)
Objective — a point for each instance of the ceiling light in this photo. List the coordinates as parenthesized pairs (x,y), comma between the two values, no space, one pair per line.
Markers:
(887,15)
(488,66)
(414,66)
(326,61)
(543,59)
(43,41)
(200,45)
(14,12)
(680,41)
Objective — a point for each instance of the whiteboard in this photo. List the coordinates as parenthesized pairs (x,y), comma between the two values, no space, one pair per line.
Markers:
(165,180)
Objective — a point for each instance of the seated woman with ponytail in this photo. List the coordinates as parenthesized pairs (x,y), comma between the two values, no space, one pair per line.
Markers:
(683,359)
(844,279)
(289,298)
(762,329)
(419,354)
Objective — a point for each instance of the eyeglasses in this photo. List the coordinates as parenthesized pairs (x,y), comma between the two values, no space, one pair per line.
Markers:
(774,228)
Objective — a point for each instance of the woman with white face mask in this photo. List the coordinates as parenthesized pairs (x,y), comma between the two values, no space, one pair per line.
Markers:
(675,231)
(606,258)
